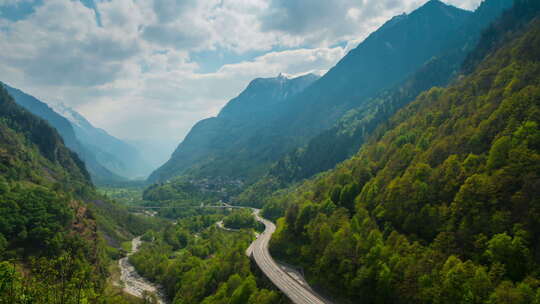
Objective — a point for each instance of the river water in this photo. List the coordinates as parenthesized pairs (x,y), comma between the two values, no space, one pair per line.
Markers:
(132,282)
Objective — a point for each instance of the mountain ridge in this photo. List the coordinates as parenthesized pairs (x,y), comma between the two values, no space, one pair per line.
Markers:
(445,197)
(284,86)
(63,126)
(116,155)
(323,102)
(342,140)
(94,146)
(254,107)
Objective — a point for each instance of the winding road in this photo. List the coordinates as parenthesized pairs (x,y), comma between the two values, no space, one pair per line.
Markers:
(297,290)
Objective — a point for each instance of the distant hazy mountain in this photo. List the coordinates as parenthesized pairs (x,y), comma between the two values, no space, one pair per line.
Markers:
(154,151)
(263,97)
(116,155)
(385,58)
(98,171)
(256,107)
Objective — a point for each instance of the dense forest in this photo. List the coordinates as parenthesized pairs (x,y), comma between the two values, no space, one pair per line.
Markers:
(53,223)
(197,262)
(442,204)
(241,218)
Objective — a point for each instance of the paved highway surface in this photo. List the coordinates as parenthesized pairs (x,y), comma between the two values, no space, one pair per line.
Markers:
(287,284)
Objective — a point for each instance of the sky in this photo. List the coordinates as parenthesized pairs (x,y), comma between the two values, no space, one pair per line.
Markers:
(148,70)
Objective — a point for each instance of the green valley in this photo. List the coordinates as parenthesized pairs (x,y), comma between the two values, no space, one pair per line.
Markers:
(395,160)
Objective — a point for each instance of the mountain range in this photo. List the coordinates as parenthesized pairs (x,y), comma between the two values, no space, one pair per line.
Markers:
(114,154)
(341,141)
(237,125)
(424,191)
(53,223)
(107,158)
(434,37)
(421,187)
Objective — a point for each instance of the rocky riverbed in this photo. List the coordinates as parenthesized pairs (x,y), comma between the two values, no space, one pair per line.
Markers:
(132,282)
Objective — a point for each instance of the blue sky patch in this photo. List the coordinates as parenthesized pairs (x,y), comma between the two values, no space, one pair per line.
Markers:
(18,11)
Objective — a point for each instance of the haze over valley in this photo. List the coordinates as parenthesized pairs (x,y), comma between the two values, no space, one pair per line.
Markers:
(269,151)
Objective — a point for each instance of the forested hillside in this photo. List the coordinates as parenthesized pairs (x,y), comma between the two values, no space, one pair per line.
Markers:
(343,140)
(51,246)
(442,204)
(408,174)
(199,263)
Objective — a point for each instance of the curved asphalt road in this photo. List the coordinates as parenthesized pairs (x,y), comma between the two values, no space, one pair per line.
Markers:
(287,284)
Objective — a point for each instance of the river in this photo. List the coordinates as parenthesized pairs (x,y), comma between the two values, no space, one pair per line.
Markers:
(132,282)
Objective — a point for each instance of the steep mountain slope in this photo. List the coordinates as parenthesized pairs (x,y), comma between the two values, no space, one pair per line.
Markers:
(114,154)
(443,206)
(344,139)
(241,118)
(39,215)
(264,97)
(98,171)
(385,58)
(43,111)
(51,218)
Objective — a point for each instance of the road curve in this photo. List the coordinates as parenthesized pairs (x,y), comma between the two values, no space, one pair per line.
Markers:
(258,250)
(298,293)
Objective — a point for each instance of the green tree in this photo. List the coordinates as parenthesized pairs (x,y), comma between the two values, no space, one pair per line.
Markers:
(347,196)
(512,252)
(499,152)
(242,294)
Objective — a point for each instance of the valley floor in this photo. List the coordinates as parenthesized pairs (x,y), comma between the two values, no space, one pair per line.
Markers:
(135,284)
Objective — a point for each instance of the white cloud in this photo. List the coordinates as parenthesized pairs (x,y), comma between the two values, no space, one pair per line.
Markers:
(132,74)
(61,44)
(321,22)
(196,25)
(169,98)
(465,4)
